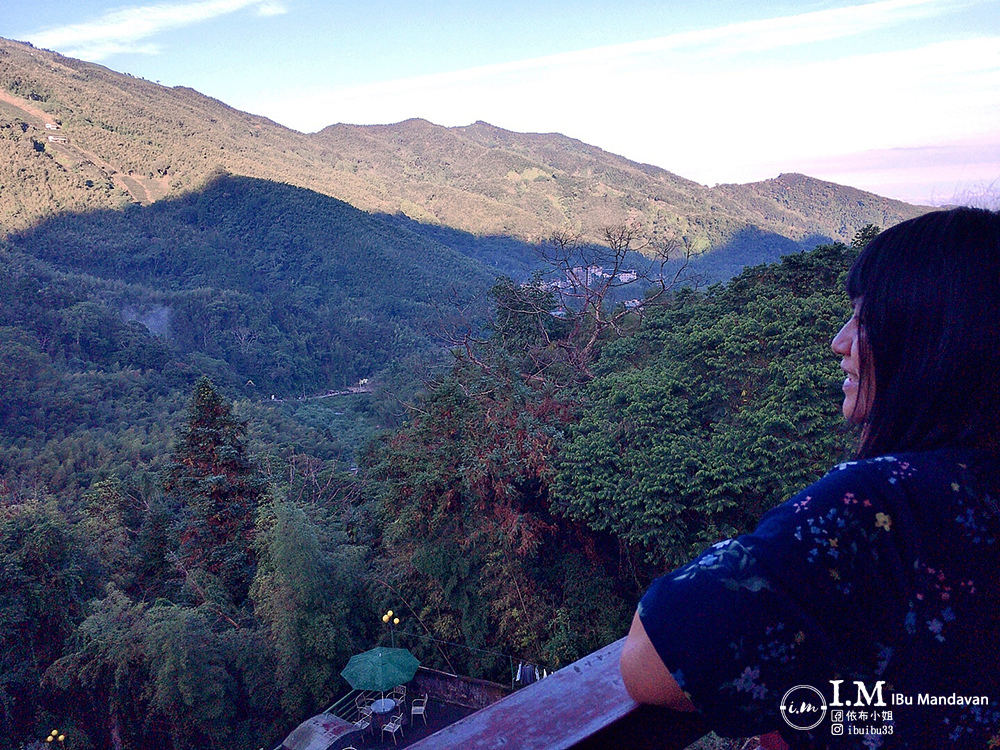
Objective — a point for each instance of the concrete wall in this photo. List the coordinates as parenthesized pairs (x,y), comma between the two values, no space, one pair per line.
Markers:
(459,691)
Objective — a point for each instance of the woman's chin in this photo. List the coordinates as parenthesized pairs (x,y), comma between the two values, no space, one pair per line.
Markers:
(852,413)
(848,408)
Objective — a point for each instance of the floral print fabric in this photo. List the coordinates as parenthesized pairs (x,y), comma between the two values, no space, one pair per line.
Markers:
(886,571)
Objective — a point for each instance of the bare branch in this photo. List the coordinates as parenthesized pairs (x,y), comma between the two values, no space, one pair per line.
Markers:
(547,331)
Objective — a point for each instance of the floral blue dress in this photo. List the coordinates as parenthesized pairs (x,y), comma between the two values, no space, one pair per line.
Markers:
(862,613)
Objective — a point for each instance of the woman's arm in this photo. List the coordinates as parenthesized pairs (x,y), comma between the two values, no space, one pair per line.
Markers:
(646,678)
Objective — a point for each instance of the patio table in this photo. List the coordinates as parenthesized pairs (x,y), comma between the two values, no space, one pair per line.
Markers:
(383,705)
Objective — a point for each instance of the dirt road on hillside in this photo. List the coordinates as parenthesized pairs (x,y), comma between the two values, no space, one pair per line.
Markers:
(128,184)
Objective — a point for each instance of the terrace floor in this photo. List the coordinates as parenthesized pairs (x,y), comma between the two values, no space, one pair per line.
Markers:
(439,715)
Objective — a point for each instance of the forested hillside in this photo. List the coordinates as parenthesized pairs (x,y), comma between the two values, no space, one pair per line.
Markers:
(486,179)
(536,487)
(77,136)
(274,292)
(279,285)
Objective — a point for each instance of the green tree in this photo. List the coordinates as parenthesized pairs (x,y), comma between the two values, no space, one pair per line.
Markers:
(190,680)
(45,584)
(865,235)
(218,488)
(104,678)
(161,675)
(552,329)
(109,526)
(309,595)
(722,406)
(470,540)
(28,385)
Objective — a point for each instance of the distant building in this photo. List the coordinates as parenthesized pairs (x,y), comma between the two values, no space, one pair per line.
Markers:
(51,126)
(58,139)
(581,276)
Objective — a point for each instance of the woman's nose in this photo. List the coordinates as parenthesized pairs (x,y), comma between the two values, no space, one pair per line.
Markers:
(841,343)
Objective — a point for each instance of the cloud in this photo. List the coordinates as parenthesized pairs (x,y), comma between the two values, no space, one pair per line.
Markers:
(663,63)
(271,9)
(727,41)
(736,103)
(806,28)
(123,30)
(649,85)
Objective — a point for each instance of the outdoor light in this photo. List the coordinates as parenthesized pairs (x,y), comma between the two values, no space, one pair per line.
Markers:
(392,622)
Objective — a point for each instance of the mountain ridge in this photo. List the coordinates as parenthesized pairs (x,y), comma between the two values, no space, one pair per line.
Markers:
(122,140)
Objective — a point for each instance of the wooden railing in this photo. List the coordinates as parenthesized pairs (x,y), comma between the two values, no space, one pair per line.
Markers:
(584,706)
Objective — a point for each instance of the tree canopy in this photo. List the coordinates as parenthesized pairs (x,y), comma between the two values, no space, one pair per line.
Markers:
(723,405)
(199,580)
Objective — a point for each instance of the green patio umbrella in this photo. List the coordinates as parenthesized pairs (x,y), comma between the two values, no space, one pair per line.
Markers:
(380,669)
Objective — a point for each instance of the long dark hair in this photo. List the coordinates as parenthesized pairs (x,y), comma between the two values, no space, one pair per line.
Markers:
(929,314)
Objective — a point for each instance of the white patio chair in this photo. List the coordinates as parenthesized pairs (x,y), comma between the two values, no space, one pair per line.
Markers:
(419,706)
(396,725)
(364,723)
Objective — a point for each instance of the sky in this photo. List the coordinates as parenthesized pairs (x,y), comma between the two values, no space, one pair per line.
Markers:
(900,97)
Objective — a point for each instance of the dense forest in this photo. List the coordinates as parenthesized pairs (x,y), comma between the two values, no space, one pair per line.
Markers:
(188,562)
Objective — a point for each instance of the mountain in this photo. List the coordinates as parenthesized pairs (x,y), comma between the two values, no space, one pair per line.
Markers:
(270,284)
(485,179)
(75,136)
(150,236)
(113,139)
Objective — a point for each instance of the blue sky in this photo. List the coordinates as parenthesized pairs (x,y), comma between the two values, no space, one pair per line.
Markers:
(901,97)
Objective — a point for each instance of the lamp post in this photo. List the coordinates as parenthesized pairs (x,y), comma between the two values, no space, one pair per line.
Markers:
(392,621)
(56,736)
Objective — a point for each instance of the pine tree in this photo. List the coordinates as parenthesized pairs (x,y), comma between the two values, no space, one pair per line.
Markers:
(865,235)
(219,489)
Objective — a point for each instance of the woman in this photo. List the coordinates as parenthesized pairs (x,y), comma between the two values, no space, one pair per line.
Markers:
(865,611)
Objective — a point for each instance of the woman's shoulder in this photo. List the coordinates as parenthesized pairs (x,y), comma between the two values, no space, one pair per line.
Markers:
(891,476)
(905,496)
(904,464)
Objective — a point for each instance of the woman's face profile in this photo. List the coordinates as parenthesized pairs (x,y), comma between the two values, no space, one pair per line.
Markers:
(857,389)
